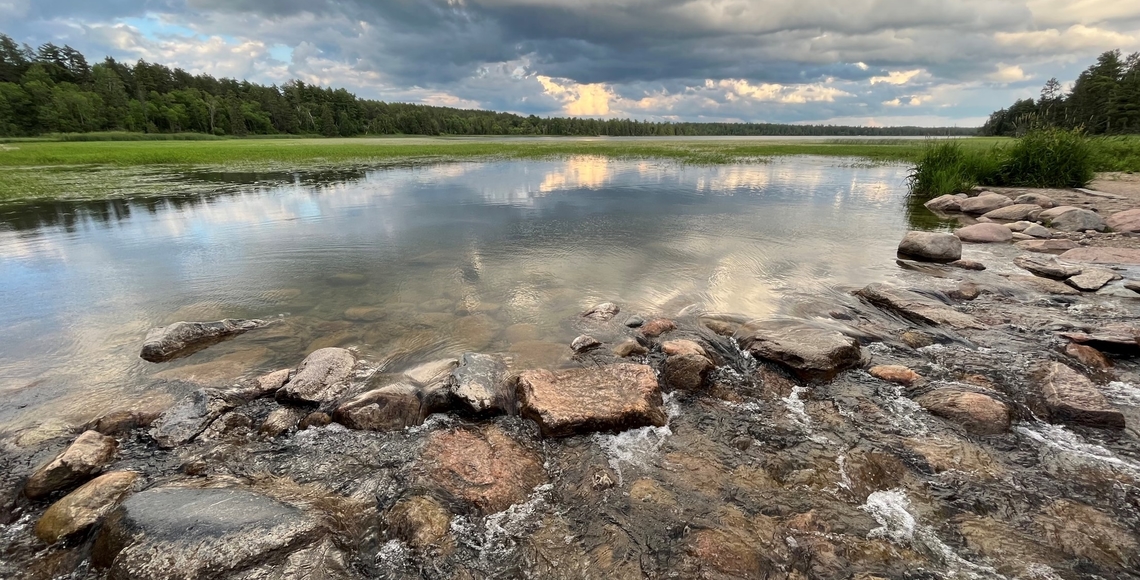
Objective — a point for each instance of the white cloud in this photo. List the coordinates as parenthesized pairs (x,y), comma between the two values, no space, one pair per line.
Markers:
(897,77)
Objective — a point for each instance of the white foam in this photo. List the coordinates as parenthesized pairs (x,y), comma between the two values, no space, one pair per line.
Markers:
(636,447)
(500,532)
(795,406)
(1122,393)
(1057,439)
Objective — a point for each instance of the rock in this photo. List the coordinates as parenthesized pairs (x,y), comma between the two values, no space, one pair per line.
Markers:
(630,348)
(421,521)
(950,454)
(916,306)
(364,314)
(1089,356)
(966,291)
(483,466)
(1084,532)
(811,353)
(123,421)
(313,420)
(1071,398)
(1018,226)
(984,233)
(86,506)
(1092,279)
(607,398)
(169,532)
(686,372)
(1020,237)
(683,347)
(604,311)
(323,376)
(84,458)
(281,420)
(1015,212)
(436,305)
(967,265)
(896,374)
(915,339)
(1013,553)
(1133,285)
(191,415)
(1047,246)
(657,327)
(1037,231)
(1125,221)
(946,203)
(481,383)
(1126,256)
(978,413)
(522,332)
(184,338)
(1117,338)
(433,373)
(1046,268)
(985,203)
(1078,220)
(931,246)
(388,408)
(721,327)
(1044,285)
(1055,211)
(634,321)
(584,343)
(346,279)
(1038,199)
(227,426)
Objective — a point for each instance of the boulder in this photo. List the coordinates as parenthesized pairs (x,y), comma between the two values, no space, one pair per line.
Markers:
(1015,212)
(979,414)
(388,408)
(1043,285)
(931,246)
(185,338)
(810,352)
(1018,226)
(947,203)
(281,420)
(584,343)
(603,312)
(985,203)
(606,398)
(1046,267)
(86,506)
(1037,231)
(1092,279)
(1038,199)
(916,307)
(897,374)
(84,458)
(1126,256)
(984,233)
(657,327)
(1070,397)
(1133,285)
(1053,212)
(191,415)
(686,372)
(1087,533)
(1125,221)
(630,348)
(483,466)
(1088,356)
(482,384)
(323,376)
(1078,220)
(965,291)
(634,321)
(173,532)
(1047,246)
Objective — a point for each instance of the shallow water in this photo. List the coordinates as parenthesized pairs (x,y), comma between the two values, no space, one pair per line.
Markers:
(449,258)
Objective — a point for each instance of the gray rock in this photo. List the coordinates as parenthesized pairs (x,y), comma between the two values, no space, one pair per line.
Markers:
(1015,212)
(1078,220)
(634,321)
(1038,231)
(323,376)
(82,460)
(604,311)
(916,307)
(191,415)
(1092,279)
(185,338)
(1070,397)
(1133,285)
(1053,212)
(1044,201)
(931,246)
(984,233)
(810,352)
(481,382)
(1046,267)
(946,203)
(389,408)
(985,203)
(165,533)
(584,343)
(1018,226)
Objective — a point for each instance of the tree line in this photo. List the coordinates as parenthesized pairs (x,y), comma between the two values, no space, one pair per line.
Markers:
(53,89)
(1104,100)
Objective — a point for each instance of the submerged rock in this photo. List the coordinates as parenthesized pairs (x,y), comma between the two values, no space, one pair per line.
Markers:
(630,348)
(281,420)
(323,376)
(483,466)
(967,265)
(985,233)
(1044,285)
(1070,397)
(979,414)
(1127,256)
(657,327)
(388,408)
(896,374)
(1092,279)
(1046,268)
(931,246)
(191,415)
(1085,532)
(84,458)
(184,338)
(916,307)
(420,520)
(85,506)
(584,343)
(1125,221)
(810,352)
(604,312)
(607,398)
(481,382)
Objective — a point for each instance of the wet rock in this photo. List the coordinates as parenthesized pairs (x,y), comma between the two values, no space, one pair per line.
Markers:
(86,506)
(915,339)
(281,420)
(191,415)
(1088,356)
(1047,246)
(123,421)
(1092,279)
(985,203)
(323,376)
(314,419)
(605,311)
(1126,256)
(657,327)
(1072,398)
(346,279)
(1133,285)
(584,343)
(84,458)
(966,291)
(978,413)
(364,314)
(421,521)
(896,374)
(916,306)
(229,425)
(606,398)
(184,338)
(1121,339)
(967,265)
(199,533)
(946,203)
(630,348)
(1041,200)
(1046,268)
(931,246)
(1125,221)
(687,371)
(481,383)
(388,408)
(984,233)
(810,352)
(483,466)
(1015,212)
(522,332)
(437,305)
(1077,220)
(1044,285)
(634,321)
(1085,532)
(721,327)
(1013,553)
(948,454)
(323,561)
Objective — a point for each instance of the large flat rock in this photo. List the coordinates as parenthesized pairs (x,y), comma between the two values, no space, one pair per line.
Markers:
(1127,256)
(1072,398)
(483,466)
(810,352)
(931,246)
(607,398)
(916,307)
(184,338)
(323,376)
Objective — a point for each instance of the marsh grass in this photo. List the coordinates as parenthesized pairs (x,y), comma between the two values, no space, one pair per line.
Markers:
(946,167)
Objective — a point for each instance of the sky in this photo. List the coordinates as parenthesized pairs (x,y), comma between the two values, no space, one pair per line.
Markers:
(858,62)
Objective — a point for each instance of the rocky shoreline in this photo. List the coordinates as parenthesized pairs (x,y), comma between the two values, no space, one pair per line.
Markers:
(978,421)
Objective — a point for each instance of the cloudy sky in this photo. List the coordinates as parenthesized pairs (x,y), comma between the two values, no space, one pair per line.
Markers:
(874,62)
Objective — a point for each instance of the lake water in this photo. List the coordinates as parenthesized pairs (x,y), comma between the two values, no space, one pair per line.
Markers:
(411,264)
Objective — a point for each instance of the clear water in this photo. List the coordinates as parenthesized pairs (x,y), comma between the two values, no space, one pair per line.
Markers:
(434,260)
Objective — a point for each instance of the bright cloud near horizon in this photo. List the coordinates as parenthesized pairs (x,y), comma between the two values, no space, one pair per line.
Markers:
(861,62)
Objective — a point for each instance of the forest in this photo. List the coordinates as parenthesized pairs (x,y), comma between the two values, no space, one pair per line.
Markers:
(1104,100)
(53,89)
